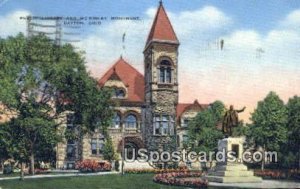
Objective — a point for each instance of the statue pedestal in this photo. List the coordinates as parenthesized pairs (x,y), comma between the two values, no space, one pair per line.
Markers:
(230,171)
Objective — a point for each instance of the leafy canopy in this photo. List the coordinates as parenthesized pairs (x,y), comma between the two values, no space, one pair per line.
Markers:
(269,122)
(203,133)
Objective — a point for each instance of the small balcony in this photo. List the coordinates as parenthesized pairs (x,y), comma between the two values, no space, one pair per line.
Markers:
(127,128)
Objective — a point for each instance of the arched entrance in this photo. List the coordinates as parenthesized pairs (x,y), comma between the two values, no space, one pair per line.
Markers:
(131,150)
(132,145)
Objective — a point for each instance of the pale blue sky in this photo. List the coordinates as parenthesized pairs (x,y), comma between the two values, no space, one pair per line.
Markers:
(251,14)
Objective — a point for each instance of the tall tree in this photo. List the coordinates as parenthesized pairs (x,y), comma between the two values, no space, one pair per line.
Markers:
(293,107)
(39,81)
(203,133)
(268,129)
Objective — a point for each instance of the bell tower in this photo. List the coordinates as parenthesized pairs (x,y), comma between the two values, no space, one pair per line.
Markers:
(161,84)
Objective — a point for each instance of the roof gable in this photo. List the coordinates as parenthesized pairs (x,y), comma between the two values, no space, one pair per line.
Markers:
(133,80)
(183,107)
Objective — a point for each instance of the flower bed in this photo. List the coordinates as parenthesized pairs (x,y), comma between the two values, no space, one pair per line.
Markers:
(42,171)
(88,166)
(278,174)
(189,179)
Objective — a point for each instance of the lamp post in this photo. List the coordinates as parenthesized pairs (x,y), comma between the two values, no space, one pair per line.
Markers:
(123,147)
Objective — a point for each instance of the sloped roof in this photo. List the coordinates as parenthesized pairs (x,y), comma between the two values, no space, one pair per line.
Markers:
(183,107)
(162,28)
(133,80)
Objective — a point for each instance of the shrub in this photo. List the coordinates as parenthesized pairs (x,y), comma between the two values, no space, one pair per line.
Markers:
(88,166)
(8,169)
(278,174)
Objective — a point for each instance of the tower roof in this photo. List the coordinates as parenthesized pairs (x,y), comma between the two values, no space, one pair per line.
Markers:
(162,29)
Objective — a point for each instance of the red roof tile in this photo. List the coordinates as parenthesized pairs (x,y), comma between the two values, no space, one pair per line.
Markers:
(133,80)
(162,28)
(183,107)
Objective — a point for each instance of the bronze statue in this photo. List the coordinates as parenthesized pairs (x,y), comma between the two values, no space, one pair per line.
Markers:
(230,120)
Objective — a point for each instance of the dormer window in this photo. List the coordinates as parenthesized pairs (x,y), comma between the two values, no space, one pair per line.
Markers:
(185,122)
(119,93)
(165,72)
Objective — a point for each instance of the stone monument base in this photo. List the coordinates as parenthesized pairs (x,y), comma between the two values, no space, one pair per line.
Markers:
(232,172)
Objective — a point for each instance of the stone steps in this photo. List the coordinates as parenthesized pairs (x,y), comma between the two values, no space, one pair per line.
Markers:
(236,167)
(234,173)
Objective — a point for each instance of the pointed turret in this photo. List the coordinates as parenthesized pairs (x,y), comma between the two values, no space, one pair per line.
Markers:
(162,30)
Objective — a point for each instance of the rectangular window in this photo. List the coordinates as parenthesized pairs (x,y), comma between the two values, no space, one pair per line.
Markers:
(101,146)
(70,151)
(94,146)
(156,125)
(163,125)
(97,145)
(168,75)
(162,74)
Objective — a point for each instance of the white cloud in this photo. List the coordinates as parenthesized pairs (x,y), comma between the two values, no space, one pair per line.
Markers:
(206,19)
(292,20)
(190,26)
(11,24)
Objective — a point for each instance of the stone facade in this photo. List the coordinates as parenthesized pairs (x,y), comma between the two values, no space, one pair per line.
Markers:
(160,98)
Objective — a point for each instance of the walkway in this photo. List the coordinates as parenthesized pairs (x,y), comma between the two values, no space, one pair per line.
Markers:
(60,175)
(137,165)
(263,184)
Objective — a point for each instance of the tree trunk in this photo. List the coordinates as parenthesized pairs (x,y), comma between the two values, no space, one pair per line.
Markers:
(2,164)
(22,171)
(299,158)
(263,159)
(32,164)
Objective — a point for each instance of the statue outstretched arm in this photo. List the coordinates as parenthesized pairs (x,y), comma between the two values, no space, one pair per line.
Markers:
(241,110)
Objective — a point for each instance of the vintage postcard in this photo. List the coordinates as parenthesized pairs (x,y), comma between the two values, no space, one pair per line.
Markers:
(149,94)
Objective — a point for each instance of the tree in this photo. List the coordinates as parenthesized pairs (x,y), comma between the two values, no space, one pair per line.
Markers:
(203,133)
(268,129)
(5,144)
(108,150)
(240,130)
(293,125)
(40,81)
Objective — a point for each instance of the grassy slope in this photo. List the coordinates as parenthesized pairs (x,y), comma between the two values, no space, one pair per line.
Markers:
(132,181)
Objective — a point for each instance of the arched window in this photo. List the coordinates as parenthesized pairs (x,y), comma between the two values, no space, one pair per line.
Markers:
(116,120)
(131,121)
(165,72)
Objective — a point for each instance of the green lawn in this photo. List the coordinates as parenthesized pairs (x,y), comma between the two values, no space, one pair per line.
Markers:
(132,181)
